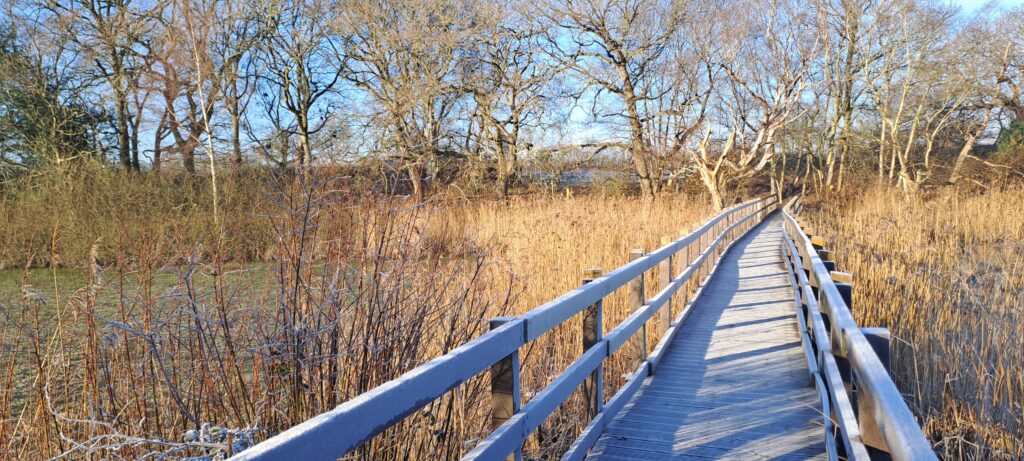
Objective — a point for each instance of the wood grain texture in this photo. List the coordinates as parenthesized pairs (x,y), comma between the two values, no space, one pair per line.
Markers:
(734,382)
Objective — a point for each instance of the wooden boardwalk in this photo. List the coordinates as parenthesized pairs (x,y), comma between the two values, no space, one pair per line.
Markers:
(734,383)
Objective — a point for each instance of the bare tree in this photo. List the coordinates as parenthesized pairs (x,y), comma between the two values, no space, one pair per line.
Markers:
(236,34)
(511,86)
(765,56)
(911,90)
(844,28)
(990,53)
(107,35)
(404,55)
(296,57)
(613,46)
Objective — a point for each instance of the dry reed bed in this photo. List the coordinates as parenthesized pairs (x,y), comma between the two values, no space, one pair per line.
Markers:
(944,274)
(356,293)
(57,217)
(551,242)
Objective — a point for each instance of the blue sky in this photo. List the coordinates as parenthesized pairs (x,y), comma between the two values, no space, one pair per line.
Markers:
(971,5)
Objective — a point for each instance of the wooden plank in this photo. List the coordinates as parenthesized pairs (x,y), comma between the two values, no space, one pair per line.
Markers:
(784,436)
(593,431)
(616,338)
(733,382)
(643,449)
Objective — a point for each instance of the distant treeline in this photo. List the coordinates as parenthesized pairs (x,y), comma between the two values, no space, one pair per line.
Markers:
(788,93)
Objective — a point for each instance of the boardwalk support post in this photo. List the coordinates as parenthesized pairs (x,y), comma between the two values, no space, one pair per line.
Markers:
(505,389)
(636,301)
(664,278)
(593,387)
(871,434)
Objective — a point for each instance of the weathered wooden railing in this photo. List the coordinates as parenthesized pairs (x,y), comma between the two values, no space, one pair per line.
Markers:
(849,365)
(332,434)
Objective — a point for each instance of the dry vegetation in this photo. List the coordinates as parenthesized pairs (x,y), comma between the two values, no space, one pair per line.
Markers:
(166,339)
(204,227)
(944,273)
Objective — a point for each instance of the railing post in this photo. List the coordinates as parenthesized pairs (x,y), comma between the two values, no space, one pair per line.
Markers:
(705,243)
(871,434)
(809,232)
(818,243)
(844,283)
(593,387)
(684,262)
(636,301)
(797,265)
(505,389)
(664,278)
(826,259)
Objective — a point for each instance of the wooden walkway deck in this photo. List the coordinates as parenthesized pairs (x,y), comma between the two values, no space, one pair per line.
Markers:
(735,383)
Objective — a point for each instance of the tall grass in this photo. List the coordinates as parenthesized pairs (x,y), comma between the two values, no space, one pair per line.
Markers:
(57,217)
(945,274)
(169,351)
(549,243)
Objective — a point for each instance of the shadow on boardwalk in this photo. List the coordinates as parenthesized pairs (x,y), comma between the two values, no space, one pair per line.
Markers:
(734,384)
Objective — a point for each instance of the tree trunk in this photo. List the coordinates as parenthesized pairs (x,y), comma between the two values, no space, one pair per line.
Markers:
(123,137)
(881,155)
(188,157)
(282,149)
(157,148)
(954,174)
(716,196)
(845,141)
(638,148)
(710,180)
(236,142)
(415,170)
(639,154)
(504,184)
(183,144)
(158,137)
(304,155)
(972,137)
(135,143)
(506,170)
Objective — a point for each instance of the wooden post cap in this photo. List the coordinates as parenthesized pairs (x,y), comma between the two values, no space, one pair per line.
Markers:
(842,277)
(593,273)
(808,231)
(665,240)
(817,240)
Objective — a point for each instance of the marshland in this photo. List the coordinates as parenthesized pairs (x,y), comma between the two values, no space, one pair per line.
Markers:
(219,219)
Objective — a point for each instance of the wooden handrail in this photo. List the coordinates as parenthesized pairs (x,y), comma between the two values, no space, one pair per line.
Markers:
(837,338)
(334,433)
